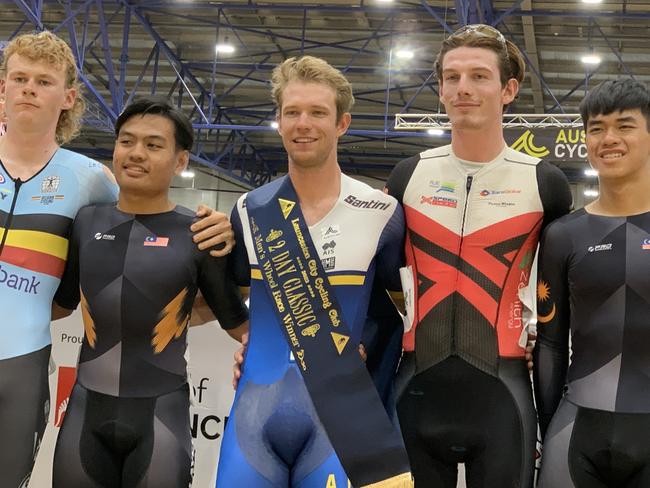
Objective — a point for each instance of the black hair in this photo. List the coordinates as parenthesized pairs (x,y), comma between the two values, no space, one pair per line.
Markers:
(158,105)
(616,96)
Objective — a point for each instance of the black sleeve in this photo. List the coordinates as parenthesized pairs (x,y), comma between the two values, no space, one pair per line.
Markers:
(382,338)
(554,191)
(400,176)
(221,292)
(67,295)
(551,355)
(239,264)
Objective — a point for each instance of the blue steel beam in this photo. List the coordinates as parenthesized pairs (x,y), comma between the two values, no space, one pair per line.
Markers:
(34,16)
(106,49)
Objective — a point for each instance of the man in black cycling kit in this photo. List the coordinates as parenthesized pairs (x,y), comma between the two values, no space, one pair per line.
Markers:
(474,211)
(594,283)
(136,272)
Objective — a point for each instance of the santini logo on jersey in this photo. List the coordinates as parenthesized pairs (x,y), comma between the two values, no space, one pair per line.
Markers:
(372,204)
(600,247)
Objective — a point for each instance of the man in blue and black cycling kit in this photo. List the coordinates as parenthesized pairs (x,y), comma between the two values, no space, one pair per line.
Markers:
(42,186)
(306,413)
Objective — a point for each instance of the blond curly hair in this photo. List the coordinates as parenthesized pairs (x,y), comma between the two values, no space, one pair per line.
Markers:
(51,49)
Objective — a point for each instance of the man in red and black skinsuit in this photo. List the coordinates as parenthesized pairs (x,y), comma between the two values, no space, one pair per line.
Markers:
(474,211)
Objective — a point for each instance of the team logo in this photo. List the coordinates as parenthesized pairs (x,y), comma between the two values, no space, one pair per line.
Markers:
(600,247)
(486,193)
(329,246)
(543,296)
(526,144)
(50,184)
(438,201)
(330,231)
(65,382)
(47,199)
(2,179)
(442,186)
(646,245)
(154,241)
(328,263)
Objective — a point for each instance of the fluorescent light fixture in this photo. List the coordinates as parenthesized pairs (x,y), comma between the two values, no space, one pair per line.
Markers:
(275,124)
(187,174)
(385,1)
(592,1)
(435,132)
(591,193)
(404,54)
(225,48)
(591,172)
(590,59)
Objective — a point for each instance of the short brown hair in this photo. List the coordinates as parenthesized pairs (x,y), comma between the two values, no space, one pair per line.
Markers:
(311,69)
(510,66)
(51,49)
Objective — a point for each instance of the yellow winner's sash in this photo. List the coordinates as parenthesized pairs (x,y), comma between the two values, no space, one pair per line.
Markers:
(368,445)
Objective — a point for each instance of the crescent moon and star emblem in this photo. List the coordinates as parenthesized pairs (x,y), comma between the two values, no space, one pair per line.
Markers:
(543,295)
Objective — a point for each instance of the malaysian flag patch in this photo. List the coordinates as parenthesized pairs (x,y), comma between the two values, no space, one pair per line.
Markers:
(156,241)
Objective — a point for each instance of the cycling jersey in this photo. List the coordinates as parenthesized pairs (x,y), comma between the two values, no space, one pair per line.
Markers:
(464,391)
(35,223)
(274,437)
(136,277)
(471,241)
(594,283)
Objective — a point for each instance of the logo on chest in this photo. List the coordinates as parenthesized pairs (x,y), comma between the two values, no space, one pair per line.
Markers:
(600,247)
(50,184)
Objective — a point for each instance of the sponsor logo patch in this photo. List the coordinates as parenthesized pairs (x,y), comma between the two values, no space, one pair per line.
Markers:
(106,237)
(600,247)
(443,186)
(439,201)
(47,199)
(370,204)
(329,263)
(330,231)
(50,184)
(646,245)
(2,179)
(485,193)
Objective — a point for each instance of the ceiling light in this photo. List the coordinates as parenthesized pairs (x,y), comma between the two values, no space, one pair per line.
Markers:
(225,48)
(435,132)
(275,124)
(385,1)
(591,172)
(404,54)
(592,1)
(187,174)
(590,59)
(591,193)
